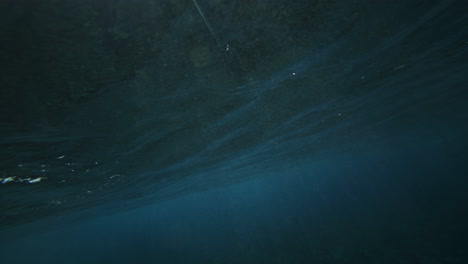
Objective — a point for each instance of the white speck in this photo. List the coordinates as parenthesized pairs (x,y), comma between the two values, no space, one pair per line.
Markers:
(115,175)
(61,157)
(56,202)
(43,170)
(20,165)
(363,77)
(43,166)
(293,73)
(9,179)
(35,180)
(339,114)
(227,47)
(96,162)
(399,67)
(72,170)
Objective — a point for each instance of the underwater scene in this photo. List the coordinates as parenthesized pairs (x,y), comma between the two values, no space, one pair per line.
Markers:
(228,131)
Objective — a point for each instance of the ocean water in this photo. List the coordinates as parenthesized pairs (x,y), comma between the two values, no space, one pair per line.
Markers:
(221,131)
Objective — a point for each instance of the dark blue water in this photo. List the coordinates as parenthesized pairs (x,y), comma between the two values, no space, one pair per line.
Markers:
(274,132)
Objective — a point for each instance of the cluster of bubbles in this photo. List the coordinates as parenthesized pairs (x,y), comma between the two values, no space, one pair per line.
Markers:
(17,178)
(82,180)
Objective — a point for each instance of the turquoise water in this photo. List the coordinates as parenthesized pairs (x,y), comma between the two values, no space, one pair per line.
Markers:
(327,132)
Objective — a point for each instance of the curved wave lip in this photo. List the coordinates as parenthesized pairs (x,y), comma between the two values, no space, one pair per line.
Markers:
(119,106)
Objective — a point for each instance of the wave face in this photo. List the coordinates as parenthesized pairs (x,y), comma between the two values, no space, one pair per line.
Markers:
(121,103)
